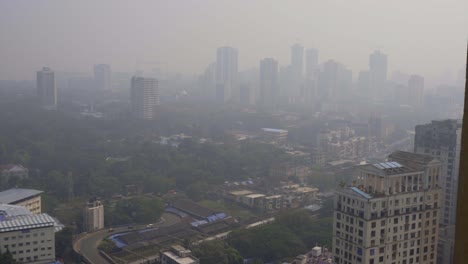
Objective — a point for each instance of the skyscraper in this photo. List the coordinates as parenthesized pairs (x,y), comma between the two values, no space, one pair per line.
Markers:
(390,215)
(144,97)
(102,77)
(442,140)
(311,63)
(416,91)
(297,60)
(226,74)
(378,74)
(334,81)
(269,93)
(46,88)
(296,74)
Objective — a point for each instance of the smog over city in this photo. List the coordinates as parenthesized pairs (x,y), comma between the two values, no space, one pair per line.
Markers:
(225,132)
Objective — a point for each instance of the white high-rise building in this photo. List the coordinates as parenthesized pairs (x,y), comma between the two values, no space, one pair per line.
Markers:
(144,97)
(226,75)
(46,88)
(269,90)
(102,77)
(442,140)
(94,216)
(390,214)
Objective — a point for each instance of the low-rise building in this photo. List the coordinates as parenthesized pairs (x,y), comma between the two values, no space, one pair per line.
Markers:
(10,172)
(254,200)
(31,199)
(93,216)
(274,135)
(178,255)
(237,195)
(273,202)
(28,237)
(317,255)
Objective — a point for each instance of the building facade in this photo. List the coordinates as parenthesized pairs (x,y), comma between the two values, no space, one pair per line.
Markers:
(226,75)
(378,74)
(269,89)
(144,97)
(442,140)
(28,237)
(391,214)
(416,91)
(102,77)
(46,88)
(94,216)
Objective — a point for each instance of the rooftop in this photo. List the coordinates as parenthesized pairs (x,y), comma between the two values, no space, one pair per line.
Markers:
(274,130)
(12,167)
(15,195)
(192,208)
(410,156)
(181,260)
(240,192)
(13,210)
(21,222)
(255,195)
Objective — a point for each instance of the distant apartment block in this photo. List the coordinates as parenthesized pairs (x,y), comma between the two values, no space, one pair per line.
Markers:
(28,237)
(31,199)
(94,216)
(289,196)
(274,135)
(178,255)
(46,88)
(144,97)
(102,77)
(391,214)
(12,172)
(226,75)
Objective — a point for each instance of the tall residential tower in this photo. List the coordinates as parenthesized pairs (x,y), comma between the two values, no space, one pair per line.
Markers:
(442,140)
(102,77)
(390,215)
(144,97)
(269,90)
(378,74)
(226,75)
(46,88)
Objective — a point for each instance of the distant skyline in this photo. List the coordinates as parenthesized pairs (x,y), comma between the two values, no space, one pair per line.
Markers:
(427,38)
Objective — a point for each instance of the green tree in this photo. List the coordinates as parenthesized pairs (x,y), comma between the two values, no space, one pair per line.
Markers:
(217,252)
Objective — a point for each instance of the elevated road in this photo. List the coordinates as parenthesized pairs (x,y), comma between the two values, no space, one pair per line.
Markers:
(87,245)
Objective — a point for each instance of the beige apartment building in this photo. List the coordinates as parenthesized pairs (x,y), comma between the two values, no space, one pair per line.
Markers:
(390,214)
(31,199)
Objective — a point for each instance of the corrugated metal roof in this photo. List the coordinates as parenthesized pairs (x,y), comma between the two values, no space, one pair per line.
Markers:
(26,222)
(15,194)
(13,210)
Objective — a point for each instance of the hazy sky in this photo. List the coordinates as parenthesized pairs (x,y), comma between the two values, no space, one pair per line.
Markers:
(420,36)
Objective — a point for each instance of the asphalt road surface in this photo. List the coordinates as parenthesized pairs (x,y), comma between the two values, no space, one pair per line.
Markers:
(88,244)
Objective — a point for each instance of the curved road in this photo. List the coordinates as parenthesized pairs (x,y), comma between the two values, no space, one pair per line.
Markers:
(87,245)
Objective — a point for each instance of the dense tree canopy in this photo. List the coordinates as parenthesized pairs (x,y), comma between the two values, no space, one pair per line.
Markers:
(217,252)
(67,156)
(291,234)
